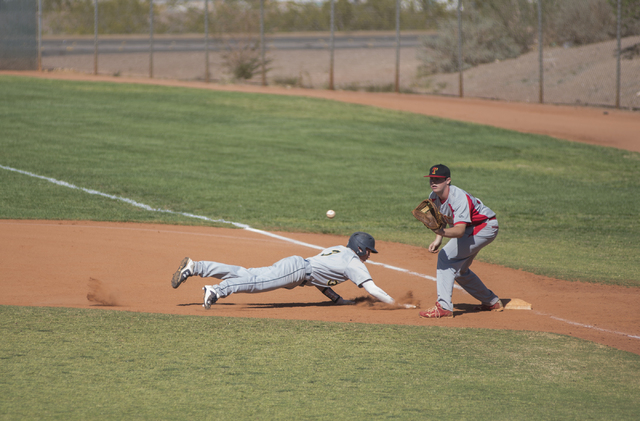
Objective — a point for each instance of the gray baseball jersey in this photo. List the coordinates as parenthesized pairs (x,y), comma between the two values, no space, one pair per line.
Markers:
(335,265)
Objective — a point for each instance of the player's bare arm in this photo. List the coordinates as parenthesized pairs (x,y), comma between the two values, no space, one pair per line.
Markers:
(456,231)
(378,293)
(435,246)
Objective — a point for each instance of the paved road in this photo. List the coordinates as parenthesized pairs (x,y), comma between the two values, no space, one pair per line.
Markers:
(56,47)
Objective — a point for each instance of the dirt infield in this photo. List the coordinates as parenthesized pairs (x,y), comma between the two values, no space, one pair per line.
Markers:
(129,266)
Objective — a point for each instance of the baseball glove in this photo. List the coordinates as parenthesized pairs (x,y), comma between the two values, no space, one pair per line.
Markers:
(427,213)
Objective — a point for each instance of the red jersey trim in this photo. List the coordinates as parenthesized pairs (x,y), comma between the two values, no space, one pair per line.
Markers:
(476,217)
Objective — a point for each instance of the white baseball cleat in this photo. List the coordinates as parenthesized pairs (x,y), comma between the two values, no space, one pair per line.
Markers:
(184,271)
(210,296)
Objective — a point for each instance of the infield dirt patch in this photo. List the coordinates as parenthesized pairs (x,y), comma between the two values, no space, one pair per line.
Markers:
(129,266)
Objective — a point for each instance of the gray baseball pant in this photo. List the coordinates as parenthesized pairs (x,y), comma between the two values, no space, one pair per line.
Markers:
(288,273)
(453,266)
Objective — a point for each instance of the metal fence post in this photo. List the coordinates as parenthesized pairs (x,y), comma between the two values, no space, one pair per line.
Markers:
(95,37)
(618,36)
(150,39)
(397,82)
(331,46)
(460,84)
(206,41)
(540,59)
(262,59)
(39,35)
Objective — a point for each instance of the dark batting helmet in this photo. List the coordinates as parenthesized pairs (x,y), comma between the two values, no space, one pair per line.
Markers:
(359,242)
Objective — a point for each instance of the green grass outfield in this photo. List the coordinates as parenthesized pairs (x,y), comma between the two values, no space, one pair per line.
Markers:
(74,364)
(566,210)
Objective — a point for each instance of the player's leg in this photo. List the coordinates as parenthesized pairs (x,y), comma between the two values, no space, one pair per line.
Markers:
(466,278)
(453,265)
(285,273)
(208,269)
(447,270)
(471,283)
(204,269)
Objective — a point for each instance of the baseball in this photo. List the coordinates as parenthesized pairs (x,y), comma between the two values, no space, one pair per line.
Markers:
(330,214)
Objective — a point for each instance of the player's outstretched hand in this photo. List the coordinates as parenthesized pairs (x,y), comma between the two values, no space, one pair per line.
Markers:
(342,302)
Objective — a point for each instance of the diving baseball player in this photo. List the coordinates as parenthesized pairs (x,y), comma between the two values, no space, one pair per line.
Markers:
(331,267)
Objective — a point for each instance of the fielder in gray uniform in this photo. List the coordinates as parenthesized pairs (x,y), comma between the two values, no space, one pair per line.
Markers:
(473,226)
(331,267)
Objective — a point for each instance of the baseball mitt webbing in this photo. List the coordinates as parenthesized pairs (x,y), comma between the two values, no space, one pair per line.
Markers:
(427,213)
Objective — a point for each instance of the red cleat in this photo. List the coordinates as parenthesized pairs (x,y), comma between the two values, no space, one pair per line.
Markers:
(496,307)
(436,312)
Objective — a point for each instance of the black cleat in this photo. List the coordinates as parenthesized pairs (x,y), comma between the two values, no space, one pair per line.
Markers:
(184,271)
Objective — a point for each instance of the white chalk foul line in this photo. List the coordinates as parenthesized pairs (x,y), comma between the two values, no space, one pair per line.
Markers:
(588,326)
(151,209)
(122,199)
(248,228)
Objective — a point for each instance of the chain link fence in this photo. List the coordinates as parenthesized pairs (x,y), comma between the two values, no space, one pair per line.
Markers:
(583,52)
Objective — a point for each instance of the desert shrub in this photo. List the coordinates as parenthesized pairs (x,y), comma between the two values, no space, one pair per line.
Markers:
(226,16)
(296,16)
(243,58)
(77,16)
(236,17)
(517,18)
(124,16)
(630,24)
(241,19)
(580,22)
(485,40)
(353,15)
(180,17)
(631,52)
(369,15)
(67,17)
(501,29)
